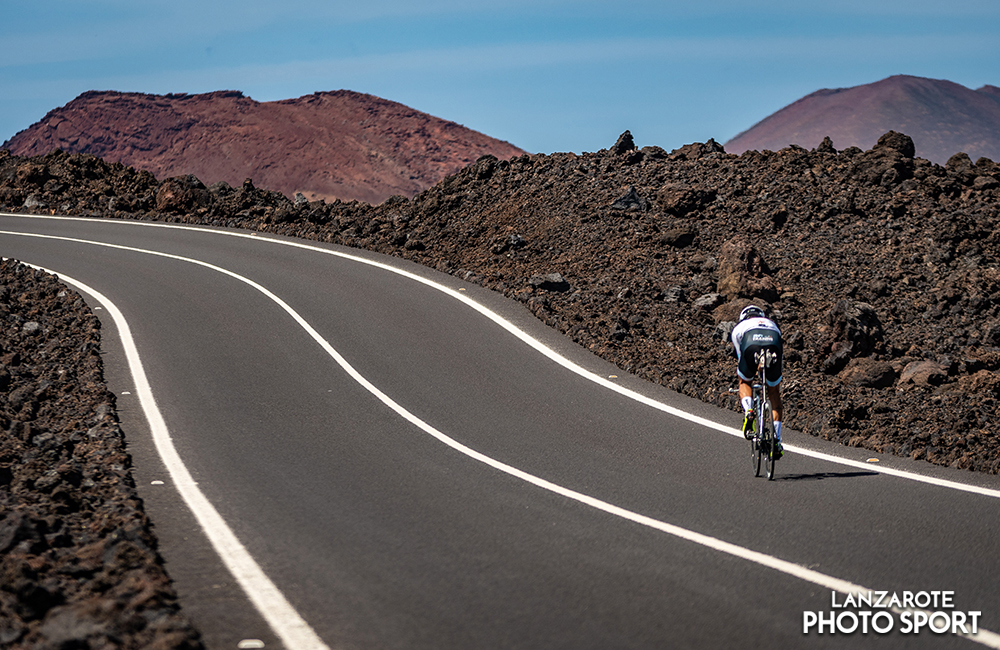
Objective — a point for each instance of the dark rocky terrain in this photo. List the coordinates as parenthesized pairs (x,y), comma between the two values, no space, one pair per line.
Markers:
(78,560)
(882,268)
(941,116)
(329,145)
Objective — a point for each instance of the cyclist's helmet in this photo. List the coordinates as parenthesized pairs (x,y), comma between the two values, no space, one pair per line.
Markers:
(752,311)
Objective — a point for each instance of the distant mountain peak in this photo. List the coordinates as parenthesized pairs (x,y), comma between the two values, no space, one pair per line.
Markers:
(942,117)
(336,144)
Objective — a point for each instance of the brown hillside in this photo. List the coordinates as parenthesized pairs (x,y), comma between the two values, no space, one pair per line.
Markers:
(942,117)
(341,144)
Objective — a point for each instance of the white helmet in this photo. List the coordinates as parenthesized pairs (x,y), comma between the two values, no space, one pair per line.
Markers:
(750,311)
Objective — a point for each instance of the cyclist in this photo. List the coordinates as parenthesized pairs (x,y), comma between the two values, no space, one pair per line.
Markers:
(756,334)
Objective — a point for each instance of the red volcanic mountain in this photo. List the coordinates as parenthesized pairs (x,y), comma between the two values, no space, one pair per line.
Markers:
(942,118)
(341,144)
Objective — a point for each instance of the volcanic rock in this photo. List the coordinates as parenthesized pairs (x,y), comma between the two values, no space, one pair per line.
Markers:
(709,301)
(680,198)
(630,201)
(625,144)
(924,373)
(982,382)
(549,282)
(742,272)
(78,560)
(868,373)
(678,237)
(898,142)
(182,194)
(853,330)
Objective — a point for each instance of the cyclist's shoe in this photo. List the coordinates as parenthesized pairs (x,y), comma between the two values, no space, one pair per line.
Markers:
(748,425)
(777,451)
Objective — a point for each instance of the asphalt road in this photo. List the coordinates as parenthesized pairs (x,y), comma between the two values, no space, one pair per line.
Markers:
(466,490)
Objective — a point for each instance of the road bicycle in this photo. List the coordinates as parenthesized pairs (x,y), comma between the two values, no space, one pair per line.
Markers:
(762,441)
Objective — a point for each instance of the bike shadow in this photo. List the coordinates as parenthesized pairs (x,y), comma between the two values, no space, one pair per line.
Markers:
(820,476)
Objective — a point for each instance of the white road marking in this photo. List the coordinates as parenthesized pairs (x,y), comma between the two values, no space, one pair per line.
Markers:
(540,347)
(246,644)
(242,564)
(283,619)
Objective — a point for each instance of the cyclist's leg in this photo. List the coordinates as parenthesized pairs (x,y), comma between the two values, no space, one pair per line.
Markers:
(746,393)
(746,401)
(774,394)
(745,372)
(774,376)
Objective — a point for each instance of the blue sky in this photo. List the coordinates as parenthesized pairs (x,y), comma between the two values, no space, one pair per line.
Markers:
(545,75)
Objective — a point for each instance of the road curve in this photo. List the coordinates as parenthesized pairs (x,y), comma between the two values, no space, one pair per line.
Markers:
(586,516)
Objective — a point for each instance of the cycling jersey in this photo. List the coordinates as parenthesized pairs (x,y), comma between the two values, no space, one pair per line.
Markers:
(754,337)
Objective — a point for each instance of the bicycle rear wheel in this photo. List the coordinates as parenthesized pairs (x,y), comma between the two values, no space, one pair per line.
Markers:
(768,436)
(756,439)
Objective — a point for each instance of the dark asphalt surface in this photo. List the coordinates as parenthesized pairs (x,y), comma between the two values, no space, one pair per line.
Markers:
(383,537)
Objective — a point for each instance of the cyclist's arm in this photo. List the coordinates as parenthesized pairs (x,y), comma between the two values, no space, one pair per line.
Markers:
(737,339)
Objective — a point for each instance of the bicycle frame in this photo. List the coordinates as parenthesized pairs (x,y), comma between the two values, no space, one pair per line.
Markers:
(762,441)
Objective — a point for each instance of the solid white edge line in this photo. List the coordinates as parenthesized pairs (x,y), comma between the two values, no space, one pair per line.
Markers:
(283,619)
(543,349)
(984,636)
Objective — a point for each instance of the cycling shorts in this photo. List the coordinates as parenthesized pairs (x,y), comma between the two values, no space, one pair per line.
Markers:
(758,342)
